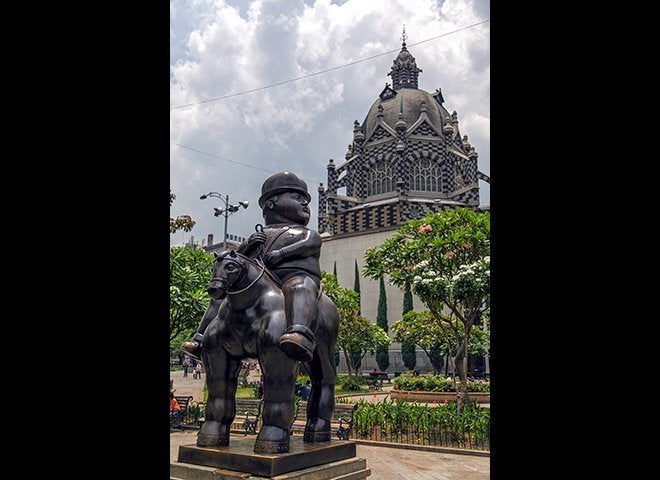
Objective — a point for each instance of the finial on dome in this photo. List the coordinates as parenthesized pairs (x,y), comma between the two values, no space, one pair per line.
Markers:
(404,36)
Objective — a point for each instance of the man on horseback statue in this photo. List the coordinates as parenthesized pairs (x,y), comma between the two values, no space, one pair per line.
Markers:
(291,252)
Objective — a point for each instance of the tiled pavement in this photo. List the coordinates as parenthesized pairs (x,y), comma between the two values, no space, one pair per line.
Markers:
(386,463)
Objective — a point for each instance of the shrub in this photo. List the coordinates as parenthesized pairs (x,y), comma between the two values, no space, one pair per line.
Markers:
(352,384)
(431,383)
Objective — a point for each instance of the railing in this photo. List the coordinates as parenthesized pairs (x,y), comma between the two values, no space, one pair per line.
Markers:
(415,424)
(439,436)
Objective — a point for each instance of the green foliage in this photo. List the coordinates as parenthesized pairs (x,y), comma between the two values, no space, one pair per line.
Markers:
(407,298)
(408,354)
(446,259)
(182,222)
(190,272)
(353,383)
(357,334)
(432,383)
(382,353)
(356,286)
(403,422)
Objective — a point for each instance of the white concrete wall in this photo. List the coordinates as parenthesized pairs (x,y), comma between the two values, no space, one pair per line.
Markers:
(348,249)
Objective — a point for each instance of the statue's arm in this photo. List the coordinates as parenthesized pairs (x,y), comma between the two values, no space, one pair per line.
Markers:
(307,246)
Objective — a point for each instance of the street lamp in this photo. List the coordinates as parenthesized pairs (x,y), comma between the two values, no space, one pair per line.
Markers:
(226,211)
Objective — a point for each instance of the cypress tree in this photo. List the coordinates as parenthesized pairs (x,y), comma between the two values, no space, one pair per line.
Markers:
(356,287)
(408,348)
(334,271)
(382,353)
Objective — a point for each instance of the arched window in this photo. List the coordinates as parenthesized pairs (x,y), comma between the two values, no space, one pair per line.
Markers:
(379,179)
(426,175)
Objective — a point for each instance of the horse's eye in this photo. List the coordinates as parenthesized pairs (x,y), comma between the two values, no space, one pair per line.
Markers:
(231,268)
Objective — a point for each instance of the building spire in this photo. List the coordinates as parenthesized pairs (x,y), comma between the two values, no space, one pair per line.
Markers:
(404,71)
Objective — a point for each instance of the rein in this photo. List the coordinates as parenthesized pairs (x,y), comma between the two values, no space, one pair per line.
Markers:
(263,269)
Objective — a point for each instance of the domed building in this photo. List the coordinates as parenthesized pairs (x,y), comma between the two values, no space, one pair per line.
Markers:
(407,158)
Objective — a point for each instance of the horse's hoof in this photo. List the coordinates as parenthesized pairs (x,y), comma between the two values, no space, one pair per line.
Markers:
(297,346)
(316,437)
(212,440)
(272,439)
(317,430)
(266,446)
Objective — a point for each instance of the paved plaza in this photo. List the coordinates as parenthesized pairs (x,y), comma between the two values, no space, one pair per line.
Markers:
(386,463)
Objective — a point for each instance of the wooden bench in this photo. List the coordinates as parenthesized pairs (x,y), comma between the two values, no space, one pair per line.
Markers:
(382,376)
(248,417)
(342,419)
(176,419)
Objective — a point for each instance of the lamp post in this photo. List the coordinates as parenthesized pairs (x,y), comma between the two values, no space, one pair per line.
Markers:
(226,211)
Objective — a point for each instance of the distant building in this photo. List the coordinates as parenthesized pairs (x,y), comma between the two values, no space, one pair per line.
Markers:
(233,242)
(407,158)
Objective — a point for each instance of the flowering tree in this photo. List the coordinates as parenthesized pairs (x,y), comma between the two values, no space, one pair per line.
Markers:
(357,334)
(182,222)
(190,273)
(439,337)
(446,258)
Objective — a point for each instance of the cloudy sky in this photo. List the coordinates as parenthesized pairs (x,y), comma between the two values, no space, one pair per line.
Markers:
(262,86)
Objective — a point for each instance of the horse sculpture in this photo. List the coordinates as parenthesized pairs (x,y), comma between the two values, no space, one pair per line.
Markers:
(249,325)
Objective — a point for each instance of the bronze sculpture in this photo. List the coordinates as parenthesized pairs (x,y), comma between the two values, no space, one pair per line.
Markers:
(267,304)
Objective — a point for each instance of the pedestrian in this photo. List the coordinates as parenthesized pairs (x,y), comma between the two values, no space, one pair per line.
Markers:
(186,364)
(197,371)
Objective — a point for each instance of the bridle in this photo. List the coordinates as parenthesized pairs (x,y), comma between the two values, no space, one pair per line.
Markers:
(235,292)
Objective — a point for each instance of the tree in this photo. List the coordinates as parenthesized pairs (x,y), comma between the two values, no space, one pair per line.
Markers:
(357,335)
(356,286)
(190,273)
(408,354)
(382,353)
(182,222)
(446,257)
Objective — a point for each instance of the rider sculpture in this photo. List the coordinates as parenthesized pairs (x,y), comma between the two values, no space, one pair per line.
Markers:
(278,328)
(291,251)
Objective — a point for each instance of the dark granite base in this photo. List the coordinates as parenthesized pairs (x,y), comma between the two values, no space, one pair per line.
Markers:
(239,456)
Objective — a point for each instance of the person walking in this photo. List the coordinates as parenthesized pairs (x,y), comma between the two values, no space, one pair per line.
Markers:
(186,364)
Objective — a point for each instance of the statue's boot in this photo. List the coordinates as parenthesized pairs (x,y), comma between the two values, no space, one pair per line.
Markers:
(272,439)
(316,430)
(193,347)
(298,342)
(213,434)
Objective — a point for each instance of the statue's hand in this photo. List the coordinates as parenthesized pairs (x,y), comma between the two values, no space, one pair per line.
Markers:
(256,237)
(274,257)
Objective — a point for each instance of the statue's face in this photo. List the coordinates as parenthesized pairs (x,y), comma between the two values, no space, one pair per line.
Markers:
(293,206)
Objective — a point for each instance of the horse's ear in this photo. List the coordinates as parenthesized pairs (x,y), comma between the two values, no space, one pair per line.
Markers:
(232,253)
(215,254)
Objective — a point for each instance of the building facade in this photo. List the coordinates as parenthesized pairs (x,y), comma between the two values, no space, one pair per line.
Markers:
(407,158)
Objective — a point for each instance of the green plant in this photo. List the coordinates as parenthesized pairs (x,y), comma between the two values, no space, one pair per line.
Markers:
(353,383)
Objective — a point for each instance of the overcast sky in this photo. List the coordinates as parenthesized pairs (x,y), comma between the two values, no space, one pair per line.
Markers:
(253,54)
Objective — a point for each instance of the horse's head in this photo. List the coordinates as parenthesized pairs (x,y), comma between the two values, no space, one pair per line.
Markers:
(228,267)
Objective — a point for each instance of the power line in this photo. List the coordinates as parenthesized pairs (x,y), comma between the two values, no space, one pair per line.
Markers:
(231,161)
(323,71)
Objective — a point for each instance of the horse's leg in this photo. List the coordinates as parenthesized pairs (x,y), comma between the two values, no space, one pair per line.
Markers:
(279,373)
(221,381)
(323,373)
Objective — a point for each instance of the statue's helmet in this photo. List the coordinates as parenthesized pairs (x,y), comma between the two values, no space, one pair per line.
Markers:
(282,182)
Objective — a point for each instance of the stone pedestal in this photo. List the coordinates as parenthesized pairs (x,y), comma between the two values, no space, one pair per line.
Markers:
(304,461)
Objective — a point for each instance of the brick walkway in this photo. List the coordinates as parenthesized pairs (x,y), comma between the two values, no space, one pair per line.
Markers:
(386,463)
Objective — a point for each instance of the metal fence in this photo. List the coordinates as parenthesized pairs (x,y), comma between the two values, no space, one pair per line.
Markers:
(437,436)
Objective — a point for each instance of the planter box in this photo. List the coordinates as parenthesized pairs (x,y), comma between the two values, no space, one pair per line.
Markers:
(436,397)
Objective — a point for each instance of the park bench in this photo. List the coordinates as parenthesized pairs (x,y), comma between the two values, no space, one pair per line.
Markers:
(177,418)
(248,416)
